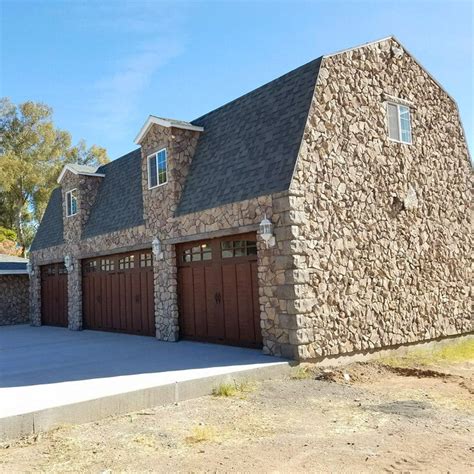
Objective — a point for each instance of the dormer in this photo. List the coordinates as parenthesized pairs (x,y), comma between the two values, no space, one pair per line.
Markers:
(79,186)
(167,148)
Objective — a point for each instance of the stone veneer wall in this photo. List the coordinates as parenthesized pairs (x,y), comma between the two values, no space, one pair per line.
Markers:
(14,299)
(382,265)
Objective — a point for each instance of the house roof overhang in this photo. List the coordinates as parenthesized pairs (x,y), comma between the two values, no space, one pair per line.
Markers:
(164,122)
(82,170)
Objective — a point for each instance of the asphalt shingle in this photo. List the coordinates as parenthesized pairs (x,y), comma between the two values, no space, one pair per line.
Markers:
(119,201)
(50,231)
(250,145)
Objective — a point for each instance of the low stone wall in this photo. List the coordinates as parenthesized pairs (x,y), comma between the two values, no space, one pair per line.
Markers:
(14,303)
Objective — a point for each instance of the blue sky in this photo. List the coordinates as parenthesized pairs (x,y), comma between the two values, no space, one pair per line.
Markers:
(104,66)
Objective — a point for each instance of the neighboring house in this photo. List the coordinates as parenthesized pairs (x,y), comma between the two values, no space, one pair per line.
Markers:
(14,295)
(360,162)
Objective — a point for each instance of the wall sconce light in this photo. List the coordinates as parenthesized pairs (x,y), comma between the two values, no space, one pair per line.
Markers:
(30,269)
(68,263)
(156,248)
(266,232)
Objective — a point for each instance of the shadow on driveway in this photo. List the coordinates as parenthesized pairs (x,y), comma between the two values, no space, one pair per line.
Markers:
(45,355)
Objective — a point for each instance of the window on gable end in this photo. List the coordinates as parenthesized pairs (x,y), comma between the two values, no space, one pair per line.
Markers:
(71,202)
(399,122)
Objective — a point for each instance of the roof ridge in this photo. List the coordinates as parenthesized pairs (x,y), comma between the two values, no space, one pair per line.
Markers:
(319,58)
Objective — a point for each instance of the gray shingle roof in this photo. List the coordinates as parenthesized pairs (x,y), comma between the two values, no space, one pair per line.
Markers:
(250,145)
(50,231)
(119,201)
(118,205)
(248,148)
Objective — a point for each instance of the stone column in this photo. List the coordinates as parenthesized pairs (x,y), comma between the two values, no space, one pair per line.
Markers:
(35,296)
(166,295)
(74,295)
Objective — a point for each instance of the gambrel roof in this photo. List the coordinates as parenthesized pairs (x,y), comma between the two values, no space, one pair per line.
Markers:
(247,148)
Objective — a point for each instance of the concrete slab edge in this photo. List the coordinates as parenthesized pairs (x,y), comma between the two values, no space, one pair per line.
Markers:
(123,403)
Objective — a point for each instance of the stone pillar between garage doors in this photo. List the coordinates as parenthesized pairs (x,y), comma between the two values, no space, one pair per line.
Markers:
(74,296)
(165,276)
(35,296)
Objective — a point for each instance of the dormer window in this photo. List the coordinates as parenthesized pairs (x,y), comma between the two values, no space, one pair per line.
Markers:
(399,122)
(71,202)
(157,169)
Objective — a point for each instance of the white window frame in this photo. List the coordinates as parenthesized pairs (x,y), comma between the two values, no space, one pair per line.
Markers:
(155,156)
(69,193)
(398,105)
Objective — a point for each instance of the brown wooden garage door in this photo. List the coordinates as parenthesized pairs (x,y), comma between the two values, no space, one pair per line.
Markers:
(118,293)
(54,295)
(218,292)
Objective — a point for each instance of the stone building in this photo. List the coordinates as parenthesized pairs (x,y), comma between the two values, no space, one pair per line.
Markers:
(359,161)
(14,294)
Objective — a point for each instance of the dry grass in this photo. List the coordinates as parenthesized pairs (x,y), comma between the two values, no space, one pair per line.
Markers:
(456,352)
(232,389)
(302,372)
(202,434)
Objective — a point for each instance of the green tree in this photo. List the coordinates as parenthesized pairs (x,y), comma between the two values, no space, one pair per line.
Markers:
(32,153)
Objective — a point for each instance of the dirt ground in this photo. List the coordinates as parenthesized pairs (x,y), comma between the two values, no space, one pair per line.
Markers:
(375,418)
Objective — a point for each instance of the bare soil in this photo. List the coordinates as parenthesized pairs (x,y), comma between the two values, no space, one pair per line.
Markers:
(363,417)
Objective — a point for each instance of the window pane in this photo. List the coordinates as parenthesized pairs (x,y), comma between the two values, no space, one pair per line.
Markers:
(162,166)
(196,257)
(227,254)
(207,255)
(251,250)
(152,172)
(227,244)
(68,200)
(405,124)
(393,128)
(239,252)
(73,202)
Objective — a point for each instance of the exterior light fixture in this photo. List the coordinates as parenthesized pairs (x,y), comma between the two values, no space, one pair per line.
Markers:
(68,263)
(30,269)
(157,249)
(266,232)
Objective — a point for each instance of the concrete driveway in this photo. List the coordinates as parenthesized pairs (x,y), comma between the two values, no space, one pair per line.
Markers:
(43,368)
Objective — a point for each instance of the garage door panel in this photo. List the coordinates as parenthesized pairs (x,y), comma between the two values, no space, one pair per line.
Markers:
(186,294)
(256,304)
(218,292)
(118,293)
(54,295)
(230,301)
(215,323)
(244,298)
(200,301)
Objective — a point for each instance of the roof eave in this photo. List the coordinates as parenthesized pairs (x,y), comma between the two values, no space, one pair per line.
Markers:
(163,123)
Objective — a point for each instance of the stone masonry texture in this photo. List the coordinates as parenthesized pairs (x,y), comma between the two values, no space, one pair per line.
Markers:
(383,228)
(14,299)
(373,244)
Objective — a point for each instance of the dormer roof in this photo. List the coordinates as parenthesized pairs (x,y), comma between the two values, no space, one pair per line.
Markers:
(165,122)
(80,169)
